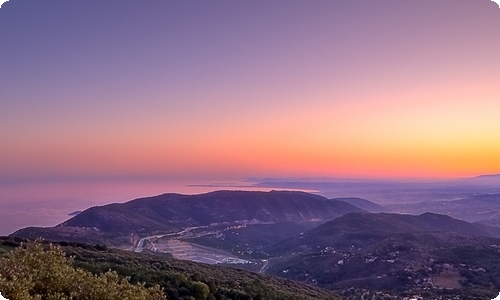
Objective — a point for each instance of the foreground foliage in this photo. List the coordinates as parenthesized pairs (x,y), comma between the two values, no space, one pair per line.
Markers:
(184,280)
(32,272)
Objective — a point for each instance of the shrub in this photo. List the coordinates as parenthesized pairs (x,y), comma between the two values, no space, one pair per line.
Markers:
(32,273)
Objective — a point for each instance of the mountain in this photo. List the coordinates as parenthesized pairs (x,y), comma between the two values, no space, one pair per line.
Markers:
(124,223)
(360,229)
(363,204)
(392,252)
(487,179)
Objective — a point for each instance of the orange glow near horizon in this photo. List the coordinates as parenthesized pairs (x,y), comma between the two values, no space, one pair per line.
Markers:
(353,90)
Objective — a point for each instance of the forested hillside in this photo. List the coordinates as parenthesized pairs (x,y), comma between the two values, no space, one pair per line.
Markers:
(180,280)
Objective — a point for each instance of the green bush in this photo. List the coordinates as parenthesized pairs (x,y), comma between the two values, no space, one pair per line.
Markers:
(32,273)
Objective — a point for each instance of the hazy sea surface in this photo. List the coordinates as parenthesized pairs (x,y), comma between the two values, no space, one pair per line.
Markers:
(48,204)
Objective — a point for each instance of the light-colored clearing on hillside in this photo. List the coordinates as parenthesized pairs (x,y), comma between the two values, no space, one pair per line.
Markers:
(449,279)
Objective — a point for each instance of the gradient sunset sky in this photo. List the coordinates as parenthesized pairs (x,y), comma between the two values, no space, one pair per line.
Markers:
(216,90)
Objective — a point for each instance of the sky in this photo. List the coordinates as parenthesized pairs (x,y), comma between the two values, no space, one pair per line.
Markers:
(182,91)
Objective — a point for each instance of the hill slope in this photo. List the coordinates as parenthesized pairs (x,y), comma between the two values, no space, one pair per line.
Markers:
(360,229)
(182,280)
(393,252)
(363,204)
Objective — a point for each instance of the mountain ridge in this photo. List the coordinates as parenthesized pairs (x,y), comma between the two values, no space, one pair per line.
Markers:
(363,204)
(167,213)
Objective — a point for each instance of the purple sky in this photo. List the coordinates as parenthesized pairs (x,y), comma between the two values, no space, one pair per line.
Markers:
(97,92)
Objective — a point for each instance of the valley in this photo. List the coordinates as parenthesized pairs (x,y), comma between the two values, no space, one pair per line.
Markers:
(179,246)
